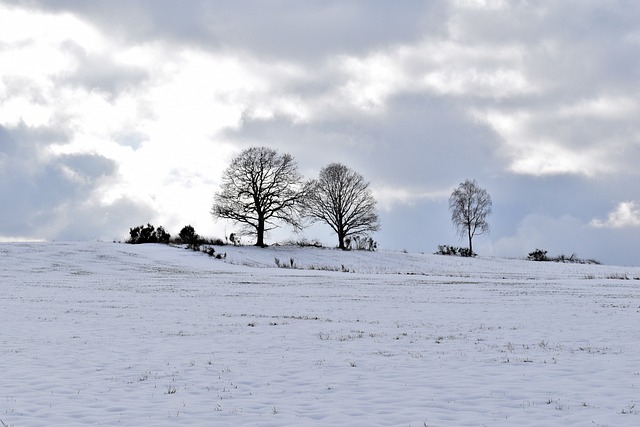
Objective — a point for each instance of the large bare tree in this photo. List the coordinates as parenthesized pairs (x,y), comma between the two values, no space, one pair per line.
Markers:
(470,206)
(342,198)
(260,188)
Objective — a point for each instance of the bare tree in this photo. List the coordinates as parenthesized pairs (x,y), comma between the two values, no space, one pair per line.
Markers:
(259,188)
(342,198)
(470,206)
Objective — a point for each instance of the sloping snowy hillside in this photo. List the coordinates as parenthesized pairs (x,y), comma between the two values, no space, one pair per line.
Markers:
(115,334)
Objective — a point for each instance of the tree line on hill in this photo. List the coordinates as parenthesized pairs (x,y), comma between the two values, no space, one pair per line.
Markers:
(262,189)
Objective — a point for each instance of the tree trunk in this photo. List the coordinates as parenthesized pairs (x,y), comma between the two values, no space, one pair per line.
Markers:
(470,247)
(260,233)
(341,241)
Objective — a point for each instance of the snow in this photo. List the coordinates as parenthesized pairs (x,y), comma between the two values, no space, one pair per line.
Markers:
(115,334)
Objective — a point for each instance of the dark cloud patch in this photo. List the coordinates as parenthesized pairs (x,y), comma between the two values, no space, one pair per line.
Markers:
(24,151)
(421,141)
(136,20)
(517,195)
(45,195)
(89,166)
(103,222)
(586,22)
(131,138)
(304,29)
(21,138)
(589,47)
(430,141)
(419,227)
(29,201)
(22,147)
(284,28)
(571,49)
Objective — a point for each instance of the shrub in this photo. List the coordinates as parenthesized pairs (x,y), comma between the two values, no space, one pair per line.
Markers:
(447,250)
(573,259)
(148,234)
(453,250)
(537,255)
(234,239)
(466,252)
(303,243)
(212,253)
(361,243)
(189,236)
(215,241)
(162,235)
(540,255)
(292,263)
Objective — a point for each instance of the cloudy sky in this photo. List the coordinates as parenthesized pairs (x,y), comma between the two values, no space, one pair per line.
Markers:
(118,113)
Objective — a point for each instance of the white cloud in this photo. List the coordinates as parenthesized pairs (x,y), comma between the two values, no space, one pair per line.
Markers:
(561,140)
(495,83)
(442,67)
(388,196)
(549,157)
(481,4)
(612,107)
(626,214)
(21,26)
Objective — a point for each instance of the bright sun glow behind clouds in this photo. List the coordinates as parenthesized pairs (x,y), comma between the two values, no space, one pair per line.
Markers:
(176,114)
(165,132)
(31,56)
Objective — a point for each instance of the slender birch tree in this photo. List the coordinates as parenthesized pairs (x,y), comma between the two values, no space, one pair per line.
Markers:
(470,206)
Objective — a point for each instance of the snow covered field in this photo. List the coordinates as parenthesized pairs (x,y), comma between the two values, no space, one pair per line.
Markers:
(114,334)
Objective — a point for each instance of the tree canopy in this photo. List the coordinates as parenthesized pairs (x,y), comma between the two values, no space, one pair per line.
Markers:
(259,189)
(341,198)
